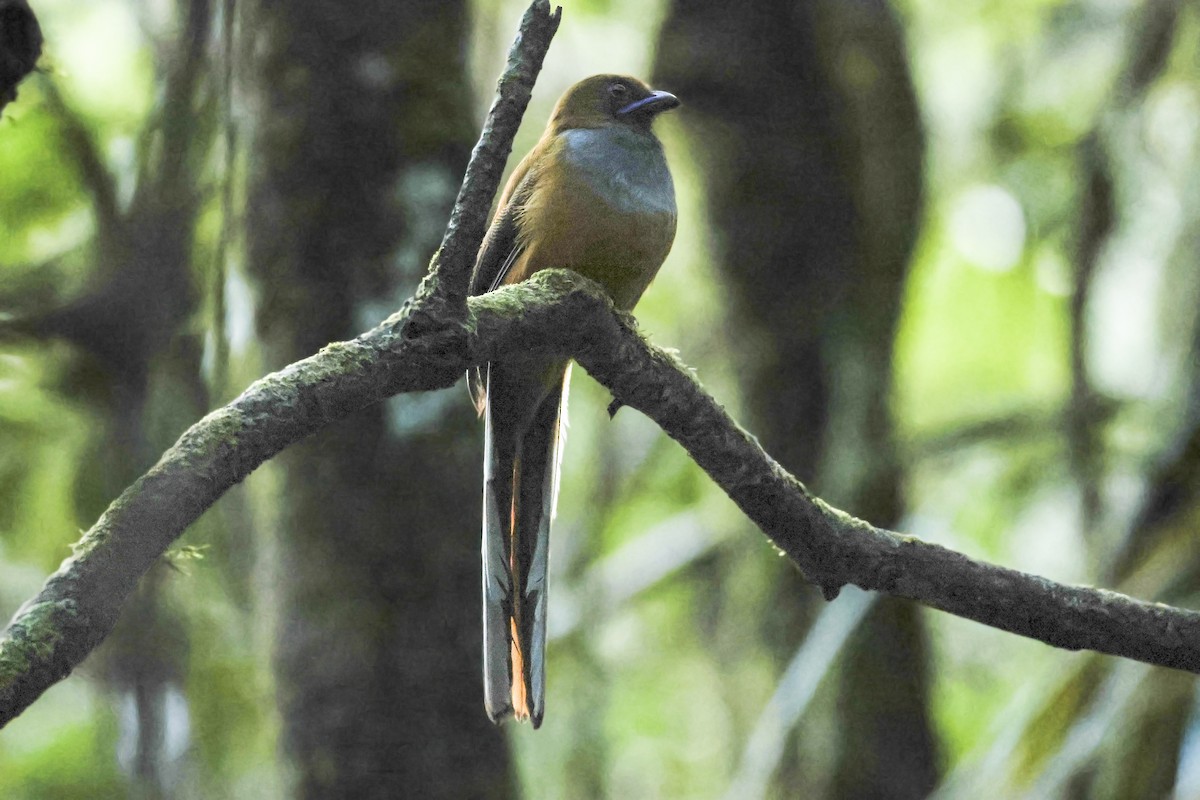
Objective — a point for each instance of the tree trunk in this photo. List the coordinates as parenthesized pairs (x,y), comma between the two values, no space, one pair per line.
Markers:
(811,147)
(363,136)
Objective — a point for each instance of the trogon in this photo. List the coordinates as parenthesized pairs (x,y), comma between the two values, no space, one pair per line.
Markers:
(594,196)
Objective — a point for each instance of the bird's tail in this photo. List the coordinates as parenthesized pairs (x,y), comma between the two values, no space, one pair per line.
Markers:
(520,484)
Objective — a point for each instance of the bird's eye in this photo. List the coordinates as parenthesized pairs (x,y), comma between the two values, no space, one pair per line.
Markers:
(618,90)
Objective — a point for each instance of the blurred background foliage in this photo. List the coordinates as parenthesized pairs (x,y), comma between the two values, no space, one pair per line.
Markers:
(939,257)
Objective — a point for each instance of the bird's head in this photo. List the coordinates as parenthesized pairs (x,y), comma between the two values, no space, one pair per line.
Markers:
(604,100)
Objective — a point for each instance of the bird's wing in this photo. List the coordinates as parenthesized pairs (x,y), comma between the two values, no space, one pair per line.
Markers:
(498,251)
(502,244)
(501,248)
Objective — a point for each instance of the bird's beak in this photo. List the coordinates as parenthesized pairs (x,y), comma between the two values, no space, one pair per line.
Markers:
(657,102)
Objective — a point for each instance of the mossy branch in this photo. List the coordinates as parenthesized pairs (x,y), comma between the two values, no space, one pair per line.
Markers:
(559,313)
(428,345)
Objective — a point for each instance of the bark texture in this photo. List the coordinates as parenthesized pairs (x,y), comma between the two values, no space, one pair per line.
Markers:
(362,142)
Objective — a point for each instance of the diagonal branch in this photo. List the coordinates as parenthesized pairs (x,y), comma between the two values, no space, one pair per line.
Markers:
(450,272)
(560,313)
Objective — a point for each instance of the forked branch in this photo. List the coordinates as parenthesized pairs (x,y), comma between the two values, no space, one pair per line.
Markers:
(429,345)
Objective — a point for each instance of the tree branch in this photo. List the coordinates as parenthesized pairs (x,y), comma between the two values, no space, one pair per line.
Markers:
(559,313)
(428,345)
(450,273)
(83,149)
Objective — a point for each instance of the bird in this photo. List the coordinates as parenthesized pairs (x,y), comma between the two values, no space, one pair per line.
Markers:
(594,195)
